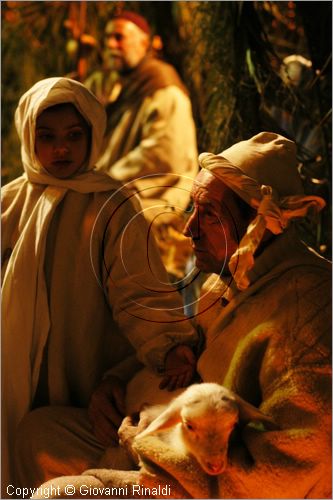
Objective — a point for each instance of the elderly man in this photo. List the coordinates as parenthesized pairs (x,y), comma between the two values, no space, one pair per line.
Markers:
(150,141)
(266,314)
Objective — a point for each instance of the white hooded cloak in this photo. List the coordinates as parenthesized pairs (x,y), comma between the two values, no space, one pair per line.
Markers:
(77,270)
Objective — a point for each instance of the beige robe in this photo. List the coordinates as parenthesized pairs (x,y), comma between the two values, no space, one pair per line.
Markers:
(153,151)
(79,268)
(272,345)
(155,140)
(150,139)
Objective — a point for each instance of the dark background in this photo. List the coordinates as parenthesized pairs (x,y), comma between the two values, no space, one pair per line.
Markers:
(230,55)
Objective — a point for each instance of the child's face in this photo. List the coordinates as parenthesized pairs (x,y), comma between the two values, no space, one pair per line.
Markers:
(62,142)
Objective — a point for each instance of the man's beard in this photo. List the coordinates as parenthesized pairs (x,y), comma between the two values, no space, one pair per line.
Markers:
(113,62)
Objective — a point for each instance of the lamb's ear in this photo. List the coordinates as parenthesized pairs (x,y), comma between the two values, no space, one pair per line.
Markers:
(169,417)
(249,413)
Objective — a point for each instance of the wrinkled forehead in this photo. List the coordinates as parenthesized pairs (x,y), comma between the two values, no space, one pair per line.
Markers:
(207,188)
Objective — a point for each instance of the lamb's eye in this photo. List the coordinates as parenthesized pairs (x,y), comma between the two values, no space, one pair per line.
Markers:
(189,426)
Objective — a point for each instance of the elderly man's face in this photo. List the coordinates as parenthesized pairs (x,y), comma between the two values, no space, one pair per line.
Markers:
(217,223)
(125,45)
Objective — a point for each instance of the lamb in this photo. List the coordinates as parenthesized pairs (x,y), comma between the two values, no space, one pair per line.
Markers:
(203,418)
(198,422)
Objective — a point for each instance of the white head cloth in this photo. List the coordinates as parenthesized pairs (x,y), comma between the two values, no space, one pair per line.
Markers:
(47,93)
(263,172)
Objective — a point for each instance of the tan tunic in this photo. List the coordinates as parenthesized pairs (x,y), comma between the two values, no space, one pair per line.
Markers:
(100,281)
(150,146)
(272,345)
(106,301)
(156,136)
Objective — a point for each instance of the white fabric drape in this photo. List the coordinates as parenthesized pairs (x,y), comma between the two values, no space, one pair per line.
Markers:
(76,275)
(24,295)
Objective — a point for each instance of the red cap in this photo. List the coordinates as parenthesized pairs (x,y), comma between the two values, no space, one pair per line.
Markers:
(135,18)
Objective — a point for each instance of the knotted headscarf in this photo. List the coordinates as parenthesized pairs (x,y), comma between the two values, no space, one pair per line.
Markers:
(263,172)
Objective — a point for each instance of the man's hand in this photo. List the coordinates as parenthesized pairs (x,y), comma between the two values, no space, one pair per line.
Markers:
(107,409)
(180,367)
(132,426)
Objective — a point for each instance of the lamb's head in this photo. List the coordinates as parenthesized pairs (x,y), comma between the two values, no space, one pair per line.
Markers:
(208,417)
(205,414)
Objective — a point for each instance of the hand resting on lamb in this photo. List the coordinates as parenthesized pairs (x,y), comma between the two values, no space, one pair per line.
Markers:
(196,424)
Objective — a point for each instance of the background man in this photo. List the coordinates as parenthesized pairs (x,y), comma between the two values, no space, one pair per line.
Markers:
(150,141)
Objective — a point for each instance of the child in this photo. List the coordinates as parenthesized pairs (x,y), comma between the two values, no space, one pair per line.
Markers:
(75,269)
